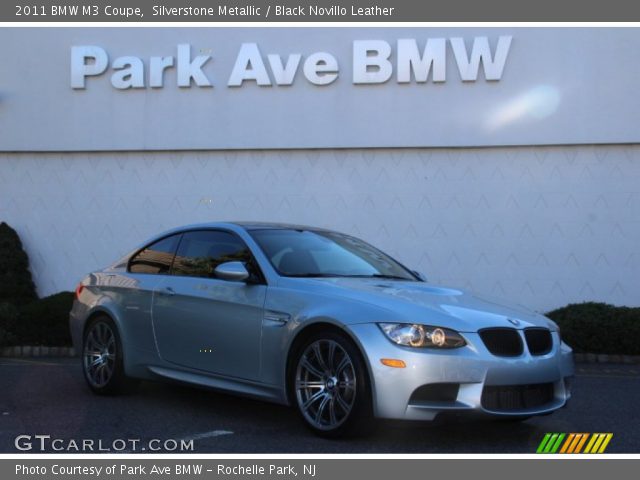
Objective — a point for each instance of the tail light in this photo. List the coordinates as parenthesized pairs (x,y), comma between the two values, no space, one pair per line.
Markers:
(79,289)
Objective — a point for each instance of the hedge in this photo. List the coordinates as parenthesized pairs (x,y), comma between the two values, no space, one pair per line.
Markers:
(46,321)
(43,322)
(25,319)
(8,319)
(592,327)
(16,284)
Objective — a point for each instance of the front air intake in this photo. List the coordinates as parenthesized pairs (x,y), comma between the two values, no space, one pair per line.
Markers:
(538,340)
(502,342)
(517,397)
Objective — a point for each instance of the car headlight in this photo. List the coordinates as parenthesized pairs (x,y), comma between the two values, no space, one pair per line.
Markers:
(422,336)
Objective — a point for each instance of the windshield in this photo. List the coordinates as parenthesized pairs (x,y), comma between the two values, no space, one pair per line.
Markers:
(308,253)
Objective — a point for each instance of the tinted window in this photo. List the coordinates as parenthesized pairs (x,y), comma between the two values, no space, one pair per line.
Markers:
(201,252)
(156,258)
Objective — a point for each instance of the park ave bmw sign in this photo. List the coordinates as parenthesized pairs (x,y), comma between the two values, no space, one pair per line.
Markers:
(373,62)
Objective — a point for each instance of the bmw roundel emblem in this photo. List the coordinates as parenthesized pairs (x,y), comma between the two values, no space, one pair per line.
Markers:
(513,321)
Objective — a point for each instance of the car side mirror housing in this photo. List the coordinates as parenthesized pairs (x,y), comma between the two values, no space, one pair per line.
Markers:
(420,275)
(233,271)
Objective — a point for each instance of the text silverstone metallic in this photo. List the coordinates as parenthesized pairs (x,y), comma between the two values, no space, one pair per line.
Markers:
(220,11)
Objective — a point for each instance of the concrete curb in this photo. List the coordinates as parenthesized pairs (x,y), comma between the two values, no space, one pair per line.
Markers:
(41,351)
(604,358)
(37,351)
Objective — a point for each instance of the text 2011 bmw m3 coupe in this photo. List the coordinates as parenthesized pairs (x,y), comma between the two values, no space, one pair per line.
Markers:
(316,319)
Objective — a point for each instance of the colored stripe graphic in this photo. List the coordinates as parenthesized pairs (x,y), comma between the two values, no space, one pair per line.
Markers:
(574,443)
(582,442)
(606,441)
(567,443)
(599,443)
(556,445)
(543,443)
(590,444)
(550,443)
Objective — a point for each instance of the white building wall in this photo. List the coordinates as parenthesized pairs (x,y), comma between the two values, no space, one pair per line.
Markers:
(543,226)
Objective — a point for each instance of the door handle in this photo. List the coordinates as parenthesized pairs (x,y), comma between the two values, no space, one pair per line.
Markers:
(167,292)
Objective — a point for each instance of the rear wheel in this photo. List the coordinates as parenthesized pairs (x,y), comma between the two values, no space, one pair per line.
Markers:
(102,360)
(330,386)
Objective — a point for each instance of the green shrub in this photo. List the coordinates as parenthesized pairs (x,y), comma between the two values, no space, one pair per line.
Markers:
(45,321)
(25,319)
(599,328)
(8,319)
(16,284)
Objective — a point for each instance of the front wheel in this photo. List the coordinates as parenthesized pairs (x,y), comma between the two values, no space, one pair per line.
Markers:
(102,359)
(331,387)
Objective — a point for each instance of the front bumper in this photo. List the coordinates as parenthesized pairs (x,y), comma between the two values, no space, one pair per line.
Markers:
(472,370)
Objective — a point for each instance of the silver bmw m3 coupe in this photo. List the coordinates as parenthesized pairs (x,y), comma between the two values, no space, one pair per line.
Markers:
(315,319)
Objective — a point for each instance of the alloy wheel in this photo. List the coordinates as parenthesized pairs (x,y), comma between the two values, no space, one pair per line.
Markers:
(99,354)
(325,384)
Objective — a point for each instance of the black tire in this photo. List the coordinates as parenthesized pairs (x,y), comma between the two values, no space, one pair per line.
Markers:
(102,358)
(336,400)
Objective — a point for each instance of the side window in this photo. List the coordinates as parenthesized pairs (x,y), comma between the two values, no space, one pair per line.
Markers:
(201,252)
(156,258)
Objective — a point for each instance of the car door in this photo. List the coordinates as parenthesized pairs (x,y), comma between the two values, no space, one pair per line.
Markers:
(135,290)
(207,323)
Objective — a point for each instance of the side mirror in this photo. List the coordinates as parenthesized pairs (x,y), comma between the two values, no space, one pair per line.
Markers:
(233,271)
(420,275)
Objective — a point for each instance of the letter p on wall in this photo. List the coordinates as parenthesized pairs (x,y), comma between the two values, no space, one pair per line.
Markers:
(87,60)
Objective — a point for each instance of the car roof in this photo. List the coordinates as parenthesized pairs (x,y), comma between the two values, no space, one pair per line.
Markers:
(274,225)
(246,226)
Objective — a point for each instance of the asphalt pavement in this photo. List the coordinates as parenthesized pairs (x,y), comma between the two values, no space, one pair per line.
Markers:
(46,403)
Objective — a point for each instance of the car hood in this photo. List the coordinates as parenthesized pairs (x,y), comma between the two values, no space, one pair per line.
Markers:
(429,304)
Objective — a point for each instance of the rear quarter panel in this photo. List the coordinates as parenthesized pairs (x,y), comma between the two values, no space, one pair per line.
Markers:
(126,299)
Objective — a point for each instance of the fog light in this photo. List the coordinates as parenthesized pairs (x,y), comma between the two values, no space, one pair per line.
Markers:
(392,362)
